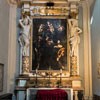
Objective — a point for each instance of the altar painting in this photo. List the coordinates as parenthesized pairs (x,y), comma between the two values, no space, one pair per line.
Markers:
(49,44)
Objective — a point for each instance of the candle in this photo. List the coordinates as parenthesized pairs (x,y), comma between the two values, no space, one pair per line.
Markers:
(36,76)
(60,70)
(36,71)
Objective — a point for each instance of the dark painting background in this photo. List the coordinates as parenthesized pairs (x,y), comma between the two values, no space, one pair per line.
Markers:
(49,44)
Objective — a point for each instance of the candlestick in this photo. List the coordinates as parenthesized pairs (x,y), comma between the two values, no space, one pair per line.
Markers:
(60,76)
(60,70)
(36,71)
(49,78)
(36,76)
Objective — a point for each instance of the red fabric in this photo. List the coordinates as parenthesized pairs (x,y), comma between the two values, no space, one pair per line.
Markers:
(56,94)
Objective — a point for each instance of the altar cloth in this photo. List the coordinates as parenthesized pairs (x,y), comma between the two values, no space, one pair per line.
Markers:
(55,94)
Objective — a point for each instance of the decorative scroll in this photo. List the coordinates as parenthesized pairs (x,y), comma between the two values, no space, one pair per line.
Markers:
(25,64)
(74,66)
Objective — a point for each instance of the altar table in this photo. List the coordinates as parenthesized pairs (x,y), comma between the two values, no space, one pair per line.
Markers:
(55,94)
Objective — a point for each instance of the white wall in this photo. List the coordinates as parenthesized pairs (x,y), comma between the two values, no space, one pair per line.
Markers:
(12,68)
(8,41)
(4,32)
(95,33)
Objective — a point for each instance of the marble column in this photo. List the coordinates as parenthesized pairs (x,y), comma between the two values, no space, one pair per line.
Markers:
(11,49)
(87,52)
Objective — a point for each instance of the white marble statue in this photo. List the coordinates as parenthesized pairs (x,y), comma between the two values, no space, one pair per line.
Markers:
(24,38)
(74,36)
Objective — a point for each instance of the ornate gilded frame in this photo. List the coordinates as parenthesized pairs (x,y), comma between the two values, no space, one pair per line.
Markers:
(66,73)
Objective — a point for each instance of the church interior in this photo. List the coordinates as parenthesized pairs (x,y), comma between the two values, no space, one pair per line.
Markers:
(49,50)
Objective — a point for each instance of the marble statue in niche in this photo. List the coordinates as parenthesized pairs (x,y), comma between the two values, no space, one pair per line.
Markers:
(74,36)
(24,38)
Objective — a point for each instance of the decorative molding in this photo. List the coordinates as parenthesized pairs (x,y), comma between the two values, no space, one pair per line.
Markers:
(73,0)
(18,2)
(39,8)
(13,2)
(74,66)
(25,64)
(49,11)
(59,2)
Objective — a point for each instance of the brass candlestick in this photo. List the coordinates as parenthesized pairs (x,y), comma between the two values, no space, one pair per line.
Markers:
(36,77)
(60,76)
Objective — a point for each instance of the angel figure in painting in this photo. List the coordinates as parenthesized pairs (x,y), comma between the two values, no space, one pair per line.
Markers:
(74,35)
(24,38)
